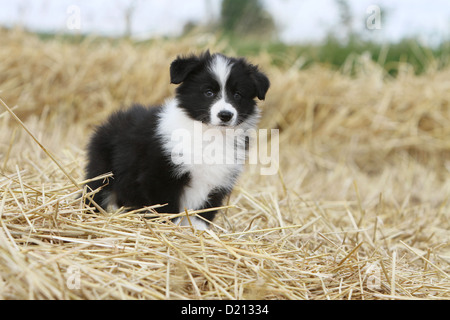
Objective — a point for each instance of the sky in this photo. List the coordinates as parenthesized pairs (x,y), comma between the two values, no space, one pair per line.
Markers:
(297,20)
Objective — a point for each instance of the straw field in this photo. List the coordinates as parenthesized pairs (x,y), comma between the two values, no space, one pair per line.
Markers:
(359,208)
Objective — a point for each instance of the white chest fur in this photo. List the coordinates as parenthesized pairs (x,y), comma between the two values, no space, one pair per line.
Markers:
(213,157)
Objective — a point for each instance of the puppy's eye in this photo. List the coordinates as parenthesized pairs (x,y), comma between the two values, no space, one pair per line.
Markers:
(209,93)
(237,96)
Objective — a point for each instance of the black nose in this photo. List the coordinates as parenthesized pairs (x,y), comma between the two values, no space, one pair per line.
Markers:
(225,116)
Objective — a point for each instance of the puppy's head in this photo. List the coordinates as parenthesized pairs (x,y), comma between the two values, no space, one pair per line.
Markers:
(218,90)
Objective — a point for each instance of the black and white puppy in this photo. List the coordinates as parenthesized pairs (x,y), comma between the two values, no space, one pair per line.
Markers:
(157,154)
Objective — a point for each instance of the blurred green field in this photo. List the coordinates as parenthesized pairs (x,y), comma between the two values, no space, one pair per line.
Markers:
(332,52)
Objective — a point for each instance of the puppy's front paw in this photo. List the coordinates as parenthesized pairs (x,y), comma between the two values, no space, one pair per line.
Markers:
(197,223)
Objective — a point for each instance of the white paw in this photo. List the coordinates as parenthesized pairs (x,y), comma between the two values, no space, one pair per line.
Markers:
(197,223)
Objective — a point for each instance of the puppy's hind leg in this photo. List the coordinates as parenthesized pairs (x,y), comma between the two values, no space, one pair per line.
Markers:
(103,198)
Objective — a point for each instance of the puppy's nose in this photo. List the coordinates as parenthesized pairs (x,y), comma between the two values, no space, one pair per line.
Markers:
(225,115)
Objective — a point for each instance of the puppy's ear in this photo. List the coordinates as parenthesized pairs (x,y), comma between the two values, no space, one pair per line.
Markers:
(183,66)
(261,81)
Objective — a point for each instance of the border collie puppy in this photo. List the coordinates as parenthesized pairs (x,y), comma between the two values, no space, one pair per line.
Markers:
(142,148)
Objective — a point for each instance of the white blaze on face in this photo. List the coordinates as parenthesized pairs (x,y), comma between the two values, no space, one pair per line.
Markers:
(221,68)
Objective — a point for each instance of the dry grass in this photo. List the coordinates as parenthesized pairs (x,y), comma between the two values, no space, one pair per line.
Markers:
(359,210)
